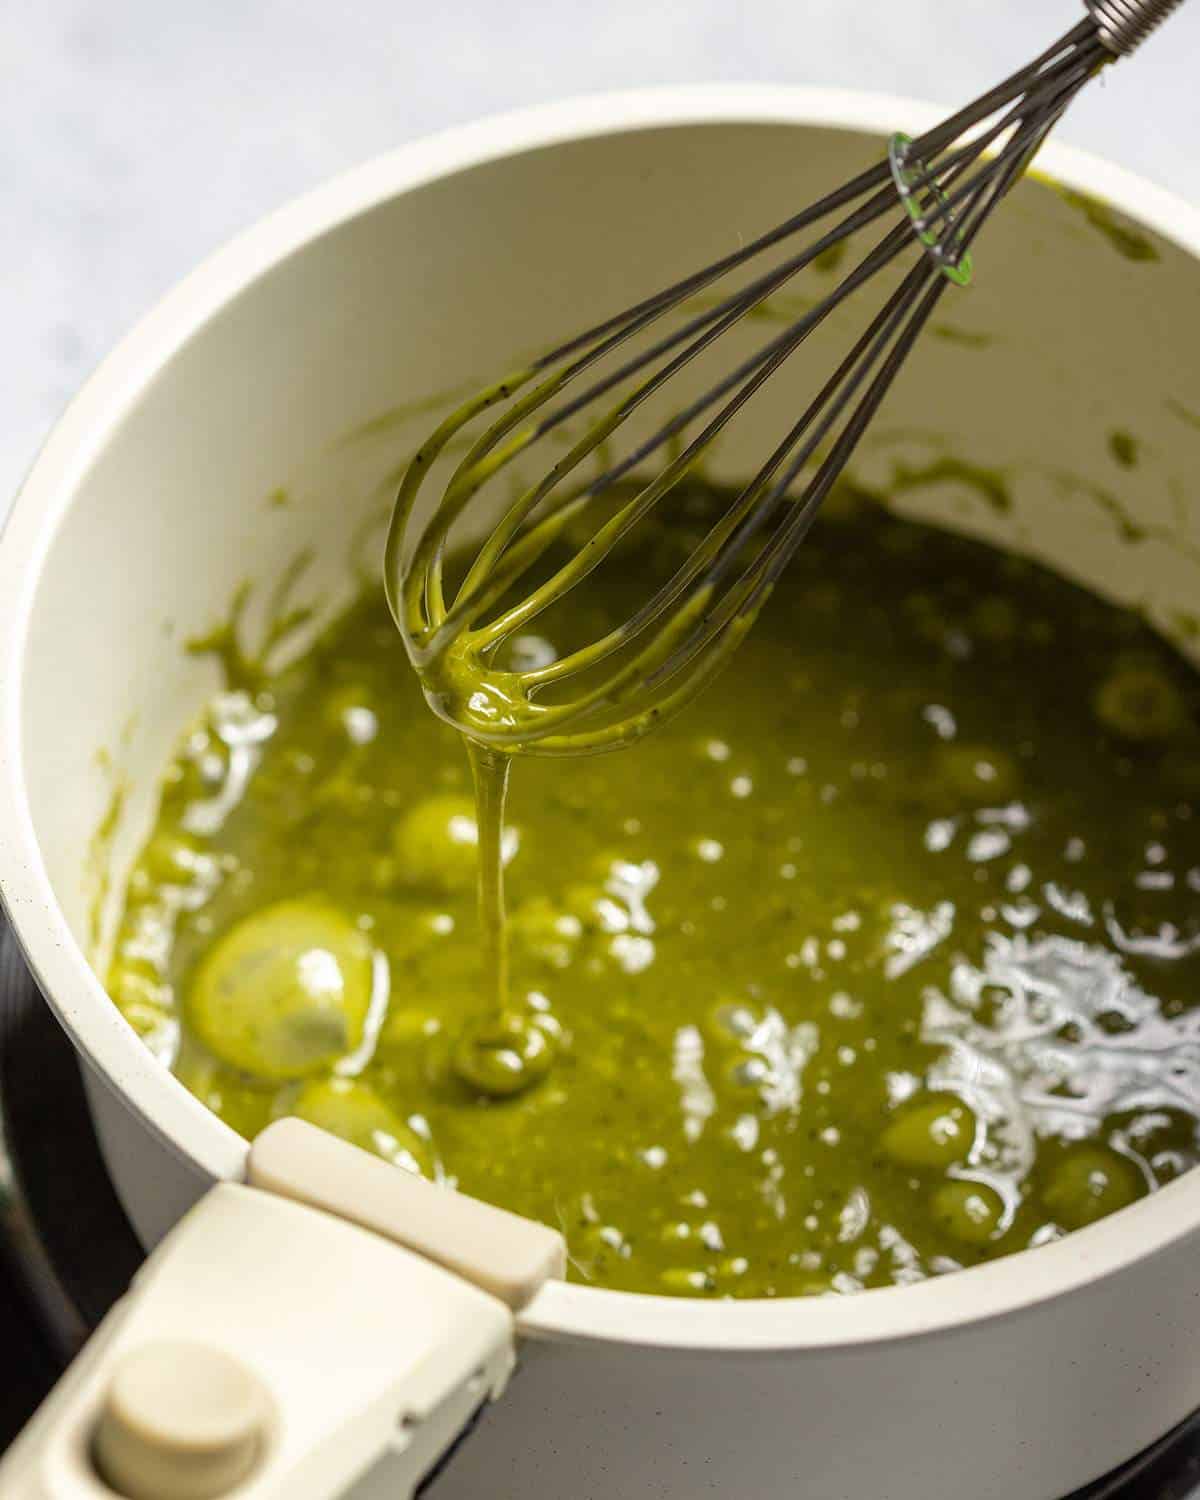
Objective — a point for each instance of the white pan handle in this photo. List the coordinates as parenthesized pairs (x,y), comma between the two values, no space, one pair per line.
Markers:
(279,1350)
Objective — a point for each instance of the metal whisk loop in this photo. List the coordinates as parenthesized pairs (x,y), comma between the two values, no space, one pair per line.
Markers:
(645,668)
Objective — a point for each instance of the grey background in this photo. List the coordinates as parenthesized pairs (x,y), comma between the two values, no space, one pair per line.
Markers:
(136,135)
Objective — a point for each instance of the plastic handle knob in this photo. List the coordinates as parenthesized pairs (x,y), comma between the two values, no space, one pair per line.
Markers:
(180,1421)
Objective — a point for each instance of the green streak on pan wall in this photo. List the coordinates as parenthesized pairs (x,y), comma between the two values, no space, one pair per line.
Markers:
(242,668)
(100,848)
(1124,448)
(1185,414)
(990,484)
(1124,236)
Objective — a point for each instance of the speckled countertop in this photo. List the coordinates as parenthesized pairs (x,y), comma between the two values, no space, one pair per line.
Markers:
(136,136)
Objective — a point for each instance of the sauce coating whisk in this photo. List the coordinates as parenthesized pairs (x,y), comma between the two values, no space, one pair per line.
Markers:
(614,689)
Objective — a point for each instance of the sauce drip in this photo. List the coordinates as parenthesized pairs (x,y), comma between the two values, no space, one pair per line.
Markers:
(490,772)
(501,1051)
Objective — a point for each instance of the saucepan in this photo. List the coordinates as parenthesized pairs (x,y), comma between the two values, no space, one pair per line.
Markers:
(312,1325)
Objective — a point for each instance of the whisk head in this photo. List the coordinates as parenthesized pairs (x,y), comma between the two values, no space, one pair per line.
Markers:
(620,378)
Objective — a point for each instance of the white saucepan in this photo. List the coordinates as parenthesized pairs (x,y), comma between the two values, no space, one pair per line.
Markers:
(315,1347)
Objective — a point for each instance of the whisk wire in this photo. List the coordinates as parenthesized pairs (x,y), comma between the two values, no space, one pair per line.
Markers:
(673,652)
(645,668)
(754,372)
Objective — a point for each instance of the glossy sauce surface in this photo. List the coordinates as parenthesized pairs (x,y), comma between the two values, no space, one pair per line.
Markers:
(881,960)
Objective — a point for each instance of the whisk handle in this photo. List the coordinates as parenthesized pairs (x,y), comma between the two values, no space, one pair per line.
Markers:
(1124,25)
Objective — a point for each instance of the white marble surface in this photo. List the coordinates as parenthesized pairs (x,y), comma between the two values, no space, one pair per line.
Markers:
(136,135)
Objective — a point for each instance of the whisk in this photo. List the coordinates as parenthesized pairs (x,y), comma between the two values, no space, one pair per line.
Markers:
(939,189)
